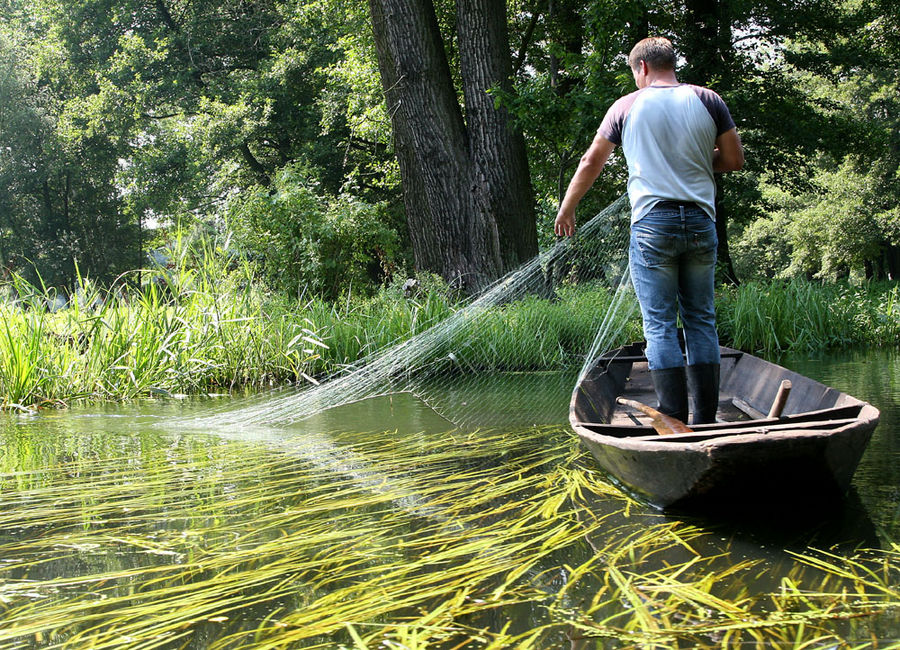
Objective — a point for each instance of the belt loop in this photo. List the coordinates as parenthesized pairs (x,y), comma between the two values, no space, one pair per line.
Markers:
(681,207)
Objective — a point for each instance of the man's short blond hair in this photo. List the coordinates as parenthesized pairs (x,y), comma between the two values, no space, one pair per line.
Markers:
(657,52)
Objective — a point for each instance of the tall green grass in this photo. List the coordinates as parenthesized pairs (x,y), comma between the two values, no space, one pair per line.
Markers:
(806,316)
(537,333)
(204,325)
(207,325)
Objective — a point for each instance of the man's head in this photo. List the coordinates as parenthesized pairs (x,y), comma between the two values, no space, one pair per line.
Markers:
(657,52)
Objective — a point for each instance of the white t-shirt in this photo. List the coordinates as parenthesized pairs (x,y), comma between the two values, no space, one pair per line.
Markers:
(668,134)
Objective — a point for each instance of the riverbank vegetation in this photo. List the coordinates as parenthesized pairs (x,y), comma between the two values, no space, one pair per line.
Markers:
(274,128)
(207,324)
(803,316)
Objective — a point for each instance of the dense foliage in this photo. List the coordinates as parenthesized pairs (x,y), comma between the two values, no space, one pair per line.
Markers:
(267,118)
(120,116)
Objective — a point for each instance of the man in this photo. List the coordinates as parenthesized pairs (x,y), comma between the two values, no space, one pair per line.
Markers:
(674,136)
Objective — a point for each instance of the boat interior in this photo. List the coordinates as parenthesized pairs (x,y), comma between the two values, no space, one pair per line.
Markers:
(748,388)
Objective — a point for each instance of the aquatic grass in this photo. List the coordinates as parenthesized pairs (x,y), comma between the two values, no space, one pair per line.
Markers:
(20,359)
(488,538)
(206,325)
(538,333)
(799,315)
(150,343)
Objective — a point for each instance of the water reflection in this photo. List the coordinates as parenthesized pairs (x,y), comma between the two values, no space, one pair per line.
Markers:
(117,523)
(873,376)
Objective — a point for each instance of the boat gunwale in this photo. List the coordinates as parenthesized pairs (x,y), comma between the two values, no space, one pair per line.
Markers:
(762,435)
(799,425)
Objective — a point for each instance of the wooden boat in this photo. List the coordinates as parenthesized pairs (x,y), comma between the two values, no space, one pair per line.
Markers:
(807,454)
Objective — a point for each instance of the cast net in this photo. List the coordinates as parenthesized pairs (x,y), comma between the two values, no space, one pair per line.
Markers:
(510,355)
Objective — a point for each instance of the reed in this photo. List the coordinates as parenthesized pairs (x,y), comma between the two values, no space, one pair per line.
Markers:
(206,325)
(197,330)
(803,316)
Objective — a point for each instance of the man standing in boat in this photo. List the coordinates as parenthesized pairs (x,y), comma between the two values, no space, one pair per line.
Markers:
(675,137)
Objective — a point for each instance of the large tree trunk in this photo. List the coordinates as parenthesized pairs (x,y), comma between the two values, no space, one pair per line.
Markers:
(466,191)
(502,181)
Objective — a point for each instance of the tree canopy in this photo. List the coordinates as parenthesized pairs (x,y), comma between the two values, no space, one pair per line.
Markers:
(278,120)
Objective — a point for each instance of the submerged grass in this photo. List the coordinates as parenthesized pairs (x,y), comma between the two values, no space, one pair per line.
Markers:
(485,539)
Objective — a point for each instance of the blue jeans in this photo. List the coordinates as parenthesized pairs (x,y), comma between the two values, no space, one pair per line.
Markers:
(672,258)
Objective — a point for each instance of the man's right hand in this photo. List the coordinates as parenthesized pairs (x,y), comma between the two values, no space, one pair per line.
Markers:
(564,224)
(588,170)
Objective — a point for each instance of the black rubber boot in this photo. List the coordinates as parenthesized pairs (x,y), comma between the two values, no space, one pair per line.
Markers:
(671,391)
(703,379)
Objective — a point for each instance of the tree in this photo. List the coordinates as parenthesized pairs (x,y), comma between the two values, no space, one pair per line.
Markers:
(466,183)
(116,113)
(835,230)
(58,199)
(162,110)
(843,218)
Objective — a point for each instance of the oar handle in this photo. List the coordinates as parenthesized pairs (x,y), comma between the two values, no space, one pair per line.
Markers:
(780,399)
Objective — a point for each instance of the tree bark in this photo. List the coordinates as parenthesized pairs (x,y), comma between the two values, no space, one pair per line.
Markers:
(723,252)
(567,33)
(502,181)
(467,205)
(892,262)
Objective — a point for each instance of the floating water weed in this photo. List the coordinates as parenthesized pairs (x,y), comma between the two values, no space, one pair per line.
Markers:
(484,538)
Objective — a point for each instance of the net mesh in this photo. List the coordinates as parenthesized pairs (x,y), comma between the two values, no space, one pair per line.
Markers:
(538,326)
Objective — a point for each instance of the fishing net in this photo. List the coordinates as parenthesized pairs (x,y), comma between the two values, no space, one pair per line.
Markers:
(511,355)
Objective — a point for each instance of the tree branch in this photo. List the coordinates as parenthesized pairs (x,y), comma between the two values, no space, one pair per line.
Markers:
(257,167)
(526,41)
(167,16)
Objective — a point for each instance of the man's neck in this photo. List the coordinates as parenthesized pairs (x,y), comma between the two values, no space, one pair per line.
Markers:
(666,78)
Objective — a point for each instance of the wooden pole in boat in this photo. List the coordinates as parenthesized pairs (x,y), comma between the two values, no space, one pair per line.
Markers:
(663,424)
(780,399)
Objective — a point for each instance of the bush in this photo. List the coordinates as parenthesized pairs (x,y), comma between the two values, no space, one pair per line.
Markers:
(845,225)
(305,242)
(763,251)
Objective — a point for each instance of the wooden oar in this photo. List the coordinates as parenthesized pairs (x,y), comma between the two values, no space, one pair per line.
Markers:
(663,424)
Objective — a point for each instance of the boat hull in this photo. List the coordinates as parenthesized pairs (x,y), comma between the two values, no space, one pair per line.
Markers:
(808,456)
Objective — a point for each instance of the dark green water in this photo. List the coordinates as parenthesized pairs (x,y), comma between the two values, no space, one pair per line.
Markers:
(873,376)
(167,495)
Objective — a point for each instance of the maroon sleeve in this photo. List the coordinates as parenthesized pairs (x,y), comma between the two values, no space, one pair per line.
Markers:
(717,108)
(614,121)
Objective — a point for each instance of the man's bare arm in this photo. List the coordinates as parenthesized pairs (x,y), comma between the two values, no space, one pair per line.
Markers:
(589,169)
(729,154)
